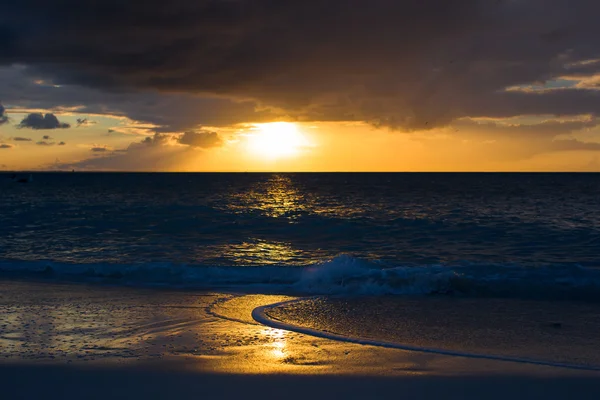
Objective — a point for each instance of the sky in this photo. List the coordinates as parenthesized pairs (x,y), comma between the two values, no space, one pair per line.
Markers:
(312,85)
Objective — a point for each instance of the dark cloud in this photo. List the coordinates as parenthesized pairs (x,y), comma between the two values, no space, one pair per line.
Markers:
(44,143)
(157,140)
(85,122)
(170,112)
(411,64)
(3,116)
(99,149)
(6,146)
(40,121)
(202,139)
(61,143)
(46,137)
(21,139)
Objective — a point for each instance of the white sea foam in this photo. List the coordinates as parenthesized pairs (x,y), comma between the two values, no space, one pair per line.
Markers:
(341,275)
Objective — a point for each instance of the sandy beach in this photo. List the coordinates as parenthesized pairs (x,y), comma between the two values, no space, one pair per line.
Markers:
(539,331)
(82,341)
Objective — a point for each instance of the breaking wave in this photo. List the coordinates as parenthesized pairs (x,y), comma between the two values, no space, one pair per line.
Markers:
(343,275)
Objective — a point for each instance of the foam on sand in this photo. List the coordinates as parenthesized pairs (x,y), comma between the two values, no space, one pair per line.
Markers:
(268,315)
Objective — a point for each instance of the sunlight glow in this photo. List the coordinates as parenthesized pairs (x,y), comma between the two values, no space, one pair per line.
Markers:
(276,140)
(277,346)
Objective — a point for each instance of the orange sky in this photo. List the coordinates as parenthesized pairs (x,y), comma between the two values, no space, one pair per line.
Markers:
(114,143)
(391,85)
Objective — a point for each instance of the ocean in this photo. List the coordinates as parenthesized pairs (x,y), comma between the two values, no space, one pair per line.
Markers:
(516,235)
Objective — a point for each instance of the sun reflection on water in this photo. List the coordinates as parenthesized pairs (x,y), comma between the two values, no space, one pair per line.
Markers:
(276,197)
(262,251)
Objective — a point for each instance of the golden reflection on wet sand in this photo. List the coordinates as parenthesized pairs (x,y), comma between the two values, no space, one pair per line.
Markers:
(116,325)
(277,346)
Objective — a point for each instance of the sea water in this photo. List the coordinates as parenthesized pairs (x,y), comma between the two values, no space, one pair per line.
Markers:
(484,234)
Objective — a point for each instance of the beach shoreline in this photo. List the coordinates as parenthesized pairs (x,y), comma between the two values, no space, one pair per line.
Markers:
(557,333)
(92,341)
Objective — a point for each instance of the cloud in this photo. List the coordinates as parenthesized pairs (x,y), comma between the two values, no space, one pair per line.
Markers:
(512,140)
(46,137)
(40,121)
(201,139)
(160,152)
(44,143)
(85,122)
(547,129)
(3,116)
(411,64)
(61,143)
(156,153)
(169,112)
(21,139)
(6,146)
(157,140)
(573,145)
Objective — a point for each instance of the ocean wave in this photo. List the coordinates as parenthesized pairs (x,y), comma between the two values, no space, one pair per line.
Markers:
(342,275)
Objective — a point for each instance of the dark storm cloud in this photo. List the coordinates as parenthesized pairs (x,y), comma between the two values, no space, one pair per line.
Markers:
(40,121)
(46,137)
(405,63)
(3,116)
(6,146)
(21,139)
(61,143)
(170,112)
(99,149)
(200,139)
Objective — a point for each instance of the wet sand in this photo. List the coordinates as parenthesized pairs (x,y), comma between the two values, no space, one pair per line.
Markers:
(555,332)
(78,341)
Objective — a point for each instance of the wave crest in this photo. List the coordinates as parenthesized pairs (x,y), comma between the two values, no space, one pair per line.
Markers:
(343,275)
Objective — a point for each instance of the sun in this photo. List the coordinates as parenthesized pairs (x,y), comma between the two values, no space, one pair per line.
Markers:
(276,140)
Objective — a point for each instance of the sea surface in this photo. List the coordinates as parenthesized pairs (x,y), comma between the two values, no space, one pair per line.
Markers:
(499,235)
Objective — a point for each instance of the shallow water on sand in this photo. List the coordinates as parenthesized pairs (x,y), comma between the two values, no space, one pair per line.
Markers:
(556,332)
(77,341)
(210,332)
